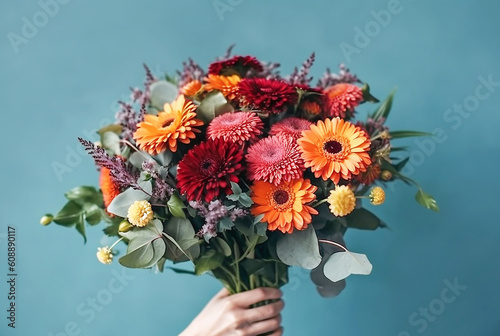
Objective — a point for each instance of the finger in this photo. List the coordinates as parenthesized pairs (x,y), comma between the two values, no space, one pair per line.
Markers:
(221,294)
(278,332)
(263,327)
(264,312)
(248,298)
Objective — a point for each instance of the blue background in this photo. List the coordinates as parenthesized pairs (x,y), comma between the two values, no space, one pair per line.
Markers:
(65,81)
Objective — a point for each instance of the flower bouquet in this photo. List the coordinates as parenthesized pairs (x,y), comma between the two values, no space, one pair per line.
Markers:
(243,172)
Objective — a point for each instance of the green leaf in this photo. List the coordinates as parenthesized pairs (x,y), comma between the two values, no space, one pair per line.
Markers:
(236,188)
(84,194)
(146,246)
(406,134)
(426,200)
(212,106)
(225,224)
(182,232)
(222,246)
(92,213)
(299,248)
(111,142)
(80,227)
(181,271)
(367,96)
(112,229)
(120,204)
(384,108)
(162,92)
(115,128)
(69,214)
(208,261)
(245,200)
(363,219)
(260,228)
(175,206)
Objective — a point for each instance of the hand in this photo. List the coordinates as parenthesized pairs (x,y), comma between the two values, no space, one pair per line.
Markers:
(230,315)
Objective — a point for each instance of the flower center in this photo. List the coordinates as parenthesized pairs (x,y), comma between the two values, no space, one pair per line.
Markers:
(205,165)
(281,197)
(168,122)
(332,147)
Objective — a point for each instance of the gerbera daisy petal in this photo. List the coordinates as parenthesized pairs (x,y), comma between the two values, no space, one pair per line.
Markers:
(290,127)
(335,149)
(207,169)
(342,99)
(239,127)
(269,95)
(280,204)
(274,159)
(158,133)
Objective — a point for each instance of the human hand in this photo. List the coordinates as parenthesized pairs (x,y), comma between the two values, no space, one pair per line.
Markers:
(231,315)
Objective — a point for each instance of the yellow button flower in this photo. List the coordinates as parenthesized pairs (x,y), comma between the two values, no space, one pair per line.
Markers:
(377,196)
(104,255)
(140,213)
(342,201)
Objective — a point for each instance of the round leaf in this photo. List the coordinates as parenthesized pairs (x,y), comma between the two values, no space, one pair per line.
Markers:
(299,248)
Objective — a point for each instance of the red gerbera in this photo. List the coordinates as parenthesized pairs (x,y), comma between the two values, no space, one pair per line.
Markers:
(238,64)
(208,168)
(275,159)
(342,99)
(290,127)
(238,127)
(270,95)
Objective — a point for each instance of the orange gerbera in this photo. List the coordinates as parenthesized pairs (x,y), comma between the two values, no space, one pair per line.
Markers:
(191,88)
(109,188)
(227,85)
(284,206)
(176,123)
(334,149)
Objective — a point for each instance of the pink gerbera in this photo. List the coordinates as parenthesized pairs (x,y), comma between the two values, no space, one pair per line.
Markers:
(238,127)
(342,99)
(235,64)
(290,127)
(269,95)
(275,159)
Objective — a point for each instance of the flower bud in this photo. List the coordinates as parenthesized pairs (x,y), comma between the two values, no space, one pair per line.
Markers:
(125,226)
(386,175)
(47,219)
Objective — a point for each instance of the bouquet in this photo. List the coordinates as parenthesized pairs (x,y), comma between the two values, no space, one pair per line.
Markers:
(242,172)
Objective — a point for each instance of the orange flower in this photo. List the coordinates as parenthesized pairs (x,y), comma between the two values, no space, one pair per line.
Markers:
(176,123)
(227,85)
(372,173)
(110,189)
(191,88)
(284,206)
(335,149)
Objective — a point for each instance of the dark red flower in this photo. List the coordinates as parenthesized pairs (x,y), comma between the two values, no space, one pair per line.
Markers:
(269,95)
(208,168)
(238,64)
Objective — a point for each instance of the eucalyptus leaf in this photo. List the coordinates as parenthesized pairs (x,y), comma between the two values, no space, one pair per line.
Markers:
(120,204)
(223,246)
(137,158)
(342,264)
(111,142)
(426,200)
(333,289)
(146,246)
(69,214)
(236,188)
(299,248)
(115,128)
(162,92)
(182,232)
(213,105)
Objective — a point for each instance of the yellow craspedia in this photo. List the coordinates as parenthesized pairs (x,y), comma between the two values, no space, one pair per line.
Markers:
(342,201)
(104,255)
(140,213)
(377,196)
